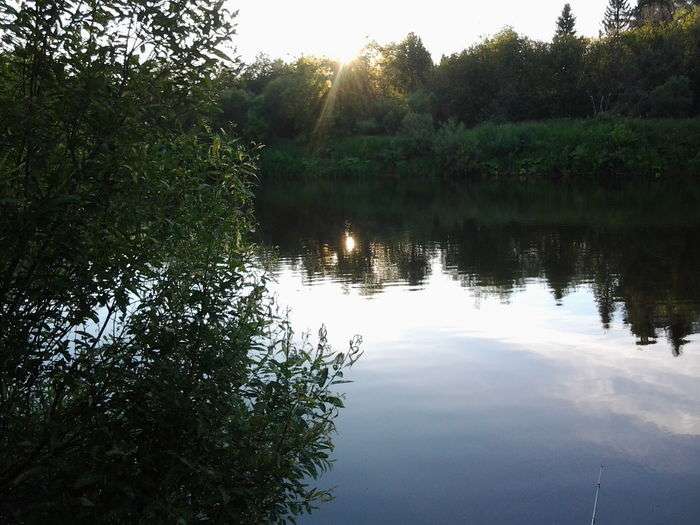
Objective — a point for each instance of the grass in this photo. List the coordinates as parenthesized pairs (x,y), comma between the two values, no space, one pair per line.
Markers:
(605,147)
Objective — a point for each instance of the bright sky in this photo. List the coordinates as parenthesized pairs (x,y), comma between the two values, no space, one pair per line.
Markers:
(287,29)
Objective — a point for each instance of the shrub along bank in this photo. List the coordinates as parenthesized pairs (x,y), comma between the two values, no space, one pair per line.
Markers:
(551,149)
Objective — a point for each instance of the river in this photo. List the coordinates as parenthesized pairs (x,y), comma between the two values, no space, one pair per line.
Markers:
(516,337)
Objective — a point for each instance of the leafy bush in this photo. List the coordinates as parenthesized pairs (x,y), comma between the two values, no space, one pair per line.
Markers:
(144,374)
(564,148)
(454,149)
(390,113)
(368,127)
(234,107)
(418,129)
(673,98)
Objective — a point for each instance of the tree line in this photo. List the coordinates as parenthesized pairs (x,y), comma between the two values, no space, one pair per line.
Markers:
(643,64)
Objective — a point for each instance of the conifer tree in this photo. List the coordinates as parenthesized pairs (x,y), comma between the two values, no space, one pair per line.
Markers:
(657,11)
(566,23)
(617,17)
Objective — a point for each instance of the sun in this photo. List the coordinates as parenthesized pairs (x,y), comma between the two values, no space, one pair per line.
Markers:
(347,47)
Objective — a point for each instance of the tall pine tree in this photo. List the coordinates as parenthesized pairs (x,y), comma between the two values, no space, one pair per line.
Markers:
(656,11)
(617,17)
(566,23)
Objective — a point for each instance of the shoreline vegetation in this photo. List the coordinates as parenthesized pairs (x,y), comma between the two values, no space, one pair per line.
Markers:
(563,149)
(623,104)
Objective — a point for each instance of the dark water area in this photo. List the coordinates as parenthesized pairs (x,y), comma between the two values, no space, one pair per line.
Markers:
(516,337)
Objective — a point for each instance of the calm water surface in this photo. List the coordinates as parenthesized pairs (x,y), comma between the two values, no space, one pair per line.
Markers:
(516,338)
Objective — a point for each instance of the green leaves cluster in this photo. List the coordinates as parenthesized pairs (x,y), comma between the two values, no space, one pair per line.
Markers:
(143,374)
(293,407)
(314,96)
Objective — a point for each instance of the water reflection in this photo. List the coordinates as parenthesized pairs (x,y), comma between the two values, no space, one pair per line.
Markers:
(641,267)
(349,243)
(500,365)
(370,265)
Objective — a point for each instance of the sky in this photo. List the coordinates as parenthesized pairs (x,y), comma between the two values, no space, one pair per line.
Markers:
(338,29)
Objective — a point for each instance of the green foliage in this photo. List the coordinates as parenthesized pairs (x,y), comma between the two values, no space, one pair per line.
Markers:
(596,149)
(262,71)
(655,11)
(351,103)
(567,55)
(618,15)
(235,105)
(421,101)
(144,376)
(566,23)
(673,98)
(406,65)
(292,102)
(390,113)
(493,81)
(504,78)
(649,71)
(453,149)
(418,128)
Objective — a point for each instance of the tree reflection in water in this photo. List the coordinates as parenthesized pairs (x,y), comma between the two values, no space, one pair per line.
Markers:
(636,248)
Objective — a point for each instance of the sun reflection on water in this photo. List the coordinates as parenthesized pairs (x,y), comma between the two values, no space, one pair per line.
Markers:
(349,242)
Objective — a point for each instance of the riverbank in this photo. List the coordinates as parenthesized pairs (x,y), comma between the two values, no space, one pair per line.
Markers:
(590,148)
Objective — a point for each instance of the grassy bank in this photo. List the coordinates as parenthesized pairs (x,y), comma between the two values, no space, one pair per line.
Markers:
(551,149)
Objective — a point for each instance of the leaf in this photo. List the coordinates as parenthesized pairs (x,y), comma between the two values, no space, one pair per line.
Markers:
(223,56)
(335,401)
(323,377)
